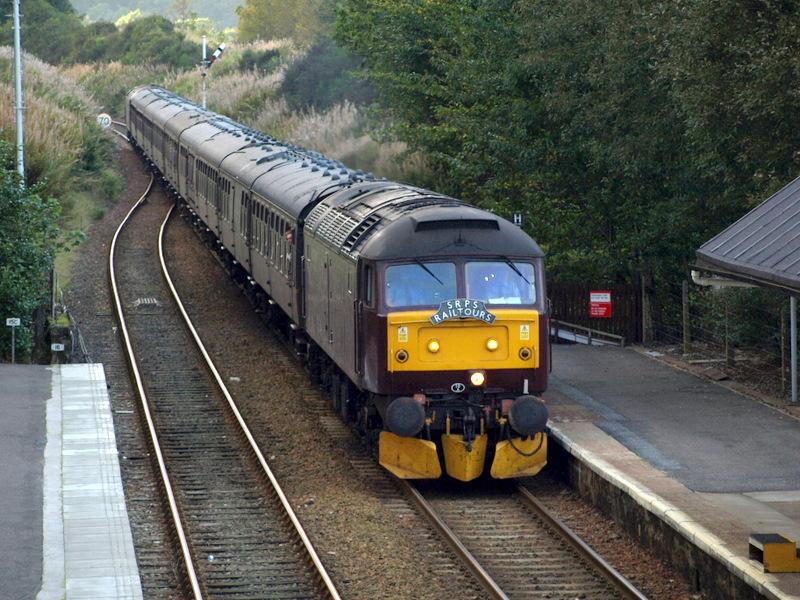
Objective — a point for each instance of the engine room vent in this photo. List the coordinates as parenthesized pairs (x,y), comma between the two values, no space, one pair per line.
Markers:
(457,224)
(335,227)
(358,233)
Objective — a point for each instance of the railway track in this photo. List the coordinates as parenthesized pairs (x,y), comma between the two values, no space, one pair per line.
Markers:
(236,534)
(513,545)
(504,537)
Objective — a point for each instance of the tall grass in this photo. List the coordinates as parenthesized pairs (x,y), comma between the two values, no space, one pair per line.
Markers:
(341,132)
(252,97)
(65,151)
(109,83)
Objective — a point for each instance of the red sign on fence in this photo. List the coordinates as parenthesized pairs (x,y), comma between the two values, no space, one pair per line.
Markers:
(600,304)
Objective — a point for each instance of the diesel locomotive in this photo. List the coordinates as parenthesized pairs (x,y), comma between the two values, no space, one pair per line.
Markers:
(423,317)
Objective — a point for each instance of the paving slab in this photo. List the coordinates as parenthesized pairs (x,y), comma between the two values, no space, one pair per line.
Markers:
(24,390)
(89,553)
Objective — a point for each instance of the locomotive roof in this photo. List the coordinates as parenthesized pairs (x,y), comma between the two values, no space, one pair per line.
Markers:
(387,220)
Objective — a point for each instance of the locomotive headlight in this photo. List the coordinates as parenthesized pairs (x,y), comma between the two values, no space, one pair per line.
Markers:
(433,346)
(492,345)
(477,378)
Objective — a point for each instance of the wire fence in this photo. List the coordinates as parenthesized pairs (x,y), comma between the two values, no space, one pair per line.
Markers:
(730,333)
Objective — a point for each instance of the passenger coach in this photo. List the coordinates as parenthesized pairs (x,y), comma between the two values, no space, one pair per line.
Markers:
(423,317)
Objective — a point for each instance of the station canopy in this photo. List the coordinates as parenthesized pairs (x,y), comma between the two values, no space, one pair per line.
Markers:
(763,247)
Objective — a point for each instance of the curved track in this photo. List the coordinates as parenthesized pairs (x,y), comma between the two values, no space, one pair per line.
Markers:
(515,547)
(236,534)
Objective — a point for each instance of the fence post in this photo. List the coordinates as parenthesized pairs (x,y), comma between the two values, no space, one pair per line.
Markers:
(729,358)
(687,339)
(783,352)
(646,323)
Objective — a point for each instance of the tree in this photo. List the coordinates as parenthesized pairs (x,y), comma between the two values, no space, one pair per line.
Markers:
(29,237)
(302,20)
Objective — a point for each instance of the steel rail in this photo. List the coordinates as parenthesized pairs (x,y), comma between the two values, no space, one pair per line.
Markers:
(119,133)
(312,553)
(191,573)
(622,585)
(461,551)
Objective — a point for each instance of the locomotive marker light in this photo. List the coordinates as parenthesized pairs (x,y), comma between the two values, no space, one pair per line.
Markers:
(477,378)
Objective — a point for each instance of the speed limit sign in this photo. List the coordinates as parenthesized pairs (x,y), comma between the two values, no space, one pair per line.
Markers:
(104,120)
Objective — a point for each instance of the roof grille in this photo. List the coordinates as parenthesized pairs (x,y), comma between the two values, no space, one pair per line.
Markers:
(315,215)
(336,227)
(358,233)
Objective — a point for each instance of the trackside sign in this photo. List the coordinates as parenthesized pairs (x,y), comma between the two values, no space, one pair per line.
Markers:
(462,308)
(600,304)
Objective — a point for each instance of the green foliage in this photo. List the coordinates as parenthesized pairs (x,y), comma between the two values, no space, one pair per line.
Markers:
(29,238)
(110,83)
(627,132)
(263,61)
(59,36)
(325,76)
(154,40)
(301,20)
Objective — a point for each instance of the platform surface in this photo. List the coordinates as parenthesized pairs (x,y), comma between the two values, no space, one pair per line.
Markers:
(24,390)
(64,529)
(722,465)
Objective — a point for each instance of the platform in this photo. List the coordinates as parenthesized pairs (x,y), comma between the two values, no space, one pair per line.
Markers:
(715,465)
(65,531)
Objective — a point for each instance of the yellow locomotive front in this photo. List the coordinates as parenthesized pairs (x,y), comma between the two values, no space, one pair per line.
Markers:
(466,359)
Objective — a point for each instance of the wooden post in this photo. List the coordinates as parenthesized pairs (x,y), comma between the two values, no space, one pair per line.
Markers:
(687,334)
(793,341)
(645,312)
(729,357)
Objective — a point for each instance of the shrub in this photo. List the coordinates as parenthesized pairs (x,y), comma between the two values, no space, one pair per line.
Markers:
(325,77)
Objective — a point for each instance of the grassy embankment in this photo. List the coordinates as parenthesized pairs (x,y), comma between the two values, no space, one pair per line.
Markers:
(65,151)
(252,96)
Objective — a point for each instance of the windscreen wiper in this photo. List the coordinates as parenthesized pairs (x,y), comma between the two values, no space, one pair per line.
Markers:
(428,271)
(516,270)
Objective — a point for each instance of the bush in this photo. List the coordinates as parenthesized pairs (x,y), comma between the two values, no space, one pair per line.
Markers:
(29,238)
(263,61)
(325,77)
